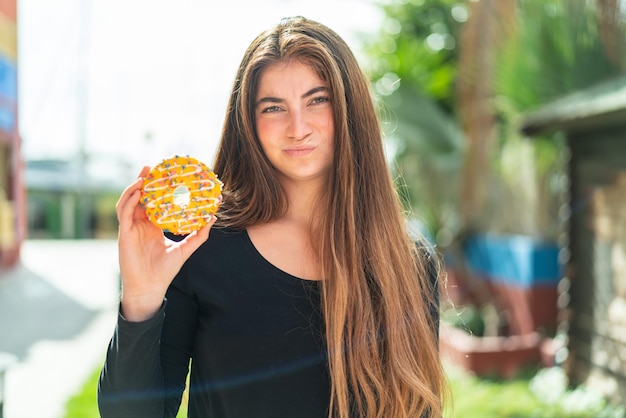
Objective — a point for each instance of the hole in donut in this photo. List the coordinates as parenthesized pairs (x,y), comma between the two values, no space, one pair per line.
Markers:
(181,196)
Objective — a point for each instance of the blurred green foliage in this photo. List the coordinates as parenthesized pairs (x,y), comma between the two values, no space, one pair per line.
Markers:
(418,45)
(413,65)
(551,48)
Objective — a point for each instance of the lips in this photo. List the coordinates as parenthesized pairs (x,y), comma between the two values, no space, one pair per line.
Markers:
(299,152)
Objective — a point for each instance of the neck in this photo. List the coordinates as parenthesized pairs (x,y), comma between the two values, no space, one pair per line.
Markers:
(302,198)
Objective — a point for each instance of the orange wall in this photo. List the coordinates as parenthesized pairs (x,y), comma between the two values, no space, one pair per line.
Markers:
(9,9)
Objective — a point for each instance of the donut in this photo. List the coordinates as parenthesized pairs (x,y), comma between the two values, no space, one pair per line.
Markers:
(180,194)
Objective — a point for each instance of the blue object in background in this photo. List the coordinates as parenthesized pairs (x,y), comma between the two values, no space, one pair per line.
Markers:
(8,79)
(513,259)
(7,120)
(8,93)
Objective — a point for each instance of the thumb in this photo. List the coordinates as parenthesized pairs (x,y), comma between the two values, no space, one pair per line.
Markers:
(194,240)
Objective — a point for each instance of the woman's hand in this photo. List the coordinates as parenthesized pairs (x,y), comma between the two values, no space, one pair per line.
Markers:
(148,260)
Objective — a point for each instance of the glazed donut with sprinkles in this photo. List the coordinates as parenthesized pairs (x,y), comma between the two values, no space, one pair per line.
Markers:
(180,194)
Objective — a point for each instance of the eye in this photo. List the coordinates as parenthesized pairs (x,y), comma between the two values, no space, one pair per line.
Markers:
(320,100)
(271,109)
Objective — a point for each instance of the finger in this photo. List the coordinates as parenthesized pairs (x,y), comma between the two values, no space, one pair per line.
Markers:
(126,210)
(127,197)
(138,210)
(194,240)
(144,171)
(128,191)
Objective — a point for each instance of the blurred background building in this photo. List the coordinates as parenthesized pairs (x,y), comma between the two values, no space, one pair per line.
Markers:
(12,196)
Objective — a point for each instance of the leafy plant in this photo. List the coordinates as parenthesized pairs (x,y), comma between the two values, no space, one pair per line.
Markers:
(551,387)
(524,396)
(468,318)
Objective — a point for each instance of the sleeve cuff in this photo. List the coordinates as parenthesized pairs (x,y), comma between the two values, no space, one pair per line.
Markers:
(133,327)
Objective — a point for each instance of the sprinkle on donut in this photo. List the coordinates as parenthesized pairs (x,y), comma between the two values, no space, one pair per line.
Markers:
(180,194)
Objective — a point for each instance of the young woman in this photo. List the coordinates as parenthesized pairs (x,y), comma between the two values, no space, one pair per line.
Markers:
(309,298)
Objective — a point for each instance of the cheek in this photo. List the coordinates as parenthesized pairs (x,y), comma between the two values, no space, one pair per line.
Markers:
(260,128)
(268,127)
(264,133)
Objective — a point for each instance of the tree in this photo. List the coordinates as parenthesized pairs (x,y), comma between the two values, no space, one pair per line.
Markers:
(456,77)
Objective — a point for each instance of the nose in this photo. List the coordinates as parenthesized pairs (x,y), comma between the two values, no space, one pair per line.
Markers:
(299,127)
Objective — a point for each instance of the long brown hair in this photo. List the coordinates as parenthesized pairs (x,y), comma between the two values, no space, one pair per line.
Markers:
(379,305)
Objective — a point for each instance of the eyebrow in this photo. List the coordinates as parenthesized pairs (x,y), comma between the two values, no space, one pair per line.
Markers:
(309,93)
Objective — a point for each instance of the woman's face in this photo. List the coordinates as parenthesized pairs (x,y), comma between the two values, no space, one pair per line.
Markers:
(294,121)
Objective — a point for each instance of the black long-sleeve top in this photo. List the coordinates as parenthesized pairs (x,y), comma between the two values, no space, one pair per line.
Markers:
(254,332)
(253,335)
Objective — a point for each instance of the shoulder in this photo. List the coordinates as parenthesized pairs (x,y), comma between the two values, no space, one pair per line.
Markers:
(222,254)
(432,268)
(426,251)
(223,241)
(427,254)
(216,234)
(430,258)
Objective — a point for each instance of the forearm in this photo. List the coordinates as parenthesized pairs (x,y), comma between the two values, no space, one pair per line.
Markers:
(140,307)
(131,382)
